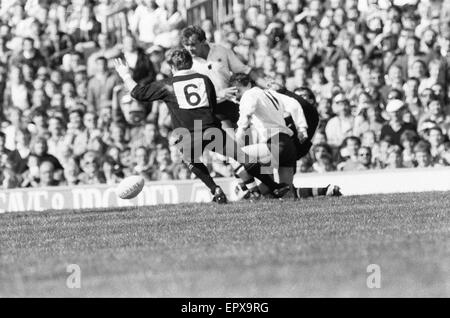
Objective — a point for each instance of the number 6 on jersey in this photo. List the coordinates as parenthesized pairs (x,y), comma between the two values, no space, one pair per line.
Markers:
(191,93)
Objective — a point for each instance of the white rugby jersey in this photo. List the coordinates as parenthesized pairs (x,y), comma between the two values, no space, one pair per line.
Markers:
(264,111)
(220,64)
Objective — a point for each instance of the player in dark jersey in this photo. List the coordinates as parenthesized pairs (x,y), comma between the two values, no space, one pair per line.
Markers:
(191,100)
(305,97)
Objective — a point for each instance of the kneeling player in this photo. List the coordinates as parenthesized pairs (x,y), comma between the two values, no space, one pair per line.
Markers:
(265,111)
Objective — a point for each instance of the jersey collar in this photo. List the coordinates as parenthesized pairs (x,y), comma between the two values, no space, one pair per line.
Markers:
(183,72)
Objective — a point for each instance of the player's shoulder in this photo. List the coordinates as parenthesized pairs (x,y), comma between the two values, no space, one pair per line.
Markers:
(284,96)
(253,92)
(219,49)
(187,74)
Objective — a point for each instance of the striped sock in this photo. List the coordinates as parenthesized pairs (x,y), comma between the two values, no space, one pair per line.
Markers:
(310,192)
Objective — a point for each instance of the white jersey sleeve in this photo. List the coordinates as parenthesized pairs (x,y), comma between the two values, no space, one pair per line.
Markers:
(294,109)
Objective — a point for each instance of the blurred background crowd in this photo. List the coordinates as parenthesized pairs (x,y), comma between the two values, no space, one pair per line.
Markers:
(379,71)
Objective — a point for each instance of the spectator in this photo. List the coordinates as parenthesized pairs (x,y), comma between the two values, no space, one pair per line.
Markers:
(72,172)
(17,92)
(364,158)
(368,118)
(138,61)
(163,170)
(323,160)
(341,125)
(147,21)
(182,172)
(111,170)
(55,141)
(47,175)
(445,156)
(141,163)
(30,55)
(434,112)
(408,140)
(40,150)
(126,161)
(411,89)
(423,155)
(395,127)
(90,165)
(436,141)
(4,152)
(350,152)
(394,157)
(99,84)
(8,177)
(31,173)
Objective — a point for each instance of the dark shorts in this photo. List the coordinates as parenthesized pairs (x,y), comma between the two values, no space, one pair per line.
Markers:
(302,149)
(287,152)
(227,110)
(193,145)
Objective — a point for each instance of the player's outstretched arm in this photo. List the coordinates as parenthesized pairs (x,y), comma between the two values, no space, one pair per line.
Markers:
(124,72)
(142,92)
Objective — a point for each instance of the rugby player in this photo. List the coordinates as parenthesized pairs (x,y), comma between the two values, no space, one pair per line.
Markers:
(219,63)
(192,103)
(282,127)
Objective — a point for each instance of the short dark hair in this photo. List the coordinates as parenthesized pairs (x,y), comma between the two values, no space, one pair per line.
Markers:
(422,146)
(180,59)
(240,79)
(413,78)
(360,48)
(28,39)
(309,93)
(191,30)
(101,58)
(409,135)
(354,138)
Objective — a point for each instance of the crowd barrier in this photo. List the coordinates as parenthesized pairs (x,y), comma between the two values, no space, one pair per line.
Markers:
(172,192)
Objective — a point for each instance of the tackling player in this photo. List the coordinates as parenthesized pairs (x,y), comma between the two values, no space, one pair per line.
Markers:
(191,100)
(270,113)
(218,63)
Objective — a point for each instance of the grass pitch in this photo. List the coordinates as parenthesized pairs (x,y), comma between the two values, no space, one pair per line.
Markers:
(315,247)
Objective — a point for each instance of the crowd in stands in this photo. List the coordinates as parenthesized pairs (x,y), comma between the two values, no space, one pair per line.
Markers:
(379,70)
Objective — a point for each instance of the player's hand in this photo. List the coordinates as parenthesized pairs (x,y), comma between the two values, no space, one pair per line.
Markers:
(121,67)
(302,135)
(227,93)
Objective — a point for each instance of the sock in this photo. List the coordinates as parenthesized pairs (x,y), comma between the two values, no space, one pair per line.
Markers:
(242,186)
(254,169)
(248,182)
(200,170)
(310,192)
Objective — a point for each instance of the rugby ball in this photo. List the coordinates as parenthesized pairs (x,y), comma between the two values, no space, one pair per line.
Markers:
(130,187)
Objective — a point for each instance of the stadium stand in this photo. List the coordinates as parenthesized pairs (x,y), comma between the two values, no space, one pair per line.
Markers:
(379,70)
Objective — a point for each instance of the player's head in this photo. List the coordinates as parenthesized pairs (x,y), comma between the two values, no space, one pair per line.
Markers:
(179,59)
(242,82)
(193,39)
(307,94)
